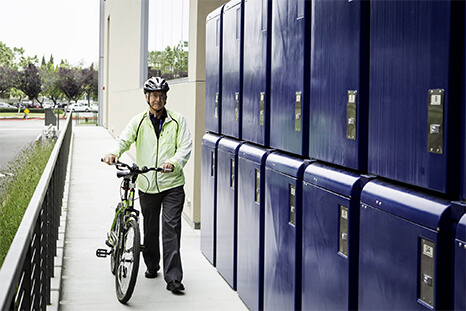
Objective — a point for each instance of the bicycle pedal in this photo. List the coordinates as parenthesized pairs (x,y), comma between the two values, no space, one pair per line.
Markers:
(102,253)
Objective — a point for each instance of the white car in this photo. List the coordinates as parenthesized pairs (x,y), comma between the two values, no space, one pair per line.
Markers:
(5,105)
(78,108)
(47,105)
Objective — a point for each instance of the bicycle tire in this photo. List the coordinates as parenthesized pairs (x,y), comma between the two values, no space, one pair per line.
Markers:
(115,231)
(128,261)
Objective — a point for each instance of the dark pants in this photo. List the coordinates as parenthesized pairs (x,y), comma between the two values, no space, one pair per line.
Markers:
(171,203)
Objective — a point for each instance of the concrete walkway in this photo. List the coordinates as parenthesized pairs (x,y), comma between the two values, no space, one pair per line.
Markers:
(86,281)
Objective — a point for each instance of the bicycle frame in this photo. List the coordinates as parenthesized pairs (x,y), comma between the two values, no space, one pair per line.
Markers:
(127,199)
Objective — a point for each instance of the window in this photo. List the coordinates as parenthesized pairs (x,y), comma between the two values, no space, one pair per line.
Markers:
(167,42)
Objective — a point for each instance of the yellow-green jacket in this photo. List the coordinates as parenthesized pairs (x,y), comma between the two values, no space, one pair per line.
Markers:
(173,146)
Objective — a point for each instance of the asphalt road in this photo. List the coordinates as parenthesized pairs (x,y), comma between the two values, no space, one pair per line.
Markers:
(15,134)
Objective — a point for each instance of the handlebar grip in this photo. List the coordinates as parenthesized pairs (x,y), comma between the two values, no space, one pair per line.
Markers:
(122,173)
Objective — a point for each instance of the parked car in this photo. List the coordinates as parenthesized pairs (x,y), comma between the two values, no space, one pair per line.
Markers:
(47,105)
(26,103)
(5,105)
(78,108)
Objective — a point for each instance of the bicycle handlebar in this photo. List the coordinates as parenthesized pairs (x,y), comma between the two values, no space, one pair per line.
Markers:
(134,169)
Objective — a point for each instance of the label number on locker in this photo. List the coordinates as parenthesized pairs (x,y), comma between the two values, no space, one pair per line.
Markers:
(426,271)
(292,205)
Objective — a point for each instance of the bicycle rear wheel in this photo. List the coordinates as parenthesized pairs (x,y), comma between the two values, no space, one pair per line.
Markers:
(128,261)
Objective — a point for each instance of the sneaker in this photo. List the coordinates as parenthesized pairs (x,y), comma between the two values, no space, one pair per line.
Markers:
(175,286)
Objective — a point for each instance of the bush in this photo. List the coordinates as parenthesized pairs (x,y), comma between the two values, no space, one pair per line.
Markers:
(16,191)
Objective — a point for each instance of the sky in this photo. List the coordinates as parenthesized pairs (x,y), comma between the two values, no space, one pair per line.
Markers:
(168,23)
(66,29)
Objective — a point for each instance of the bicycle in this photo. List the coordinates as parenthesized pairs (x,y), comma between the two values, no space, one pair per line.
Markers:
(124,237)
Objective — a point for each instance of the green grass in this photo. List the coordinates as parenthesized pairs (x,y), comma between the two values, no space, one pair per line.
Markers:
(16,191)
(21,114)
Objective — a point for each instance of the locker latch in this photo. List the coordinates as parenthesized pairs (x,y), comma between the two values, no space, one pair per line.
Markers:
(427,270)
(343,243)
(435,121)
(232,173)
(258,186)
(262,109)
(212,163)
(298,111)
(292,205)
(236,106)
(216,106)
(351,115)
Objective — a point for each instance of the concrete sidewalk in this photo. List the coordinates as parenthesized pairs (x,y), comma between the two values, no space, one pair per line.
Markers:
(86,281)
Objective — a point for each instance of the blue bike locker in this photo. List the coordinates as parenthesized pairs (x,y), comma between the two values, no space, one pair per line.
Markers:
(213,71)
(250,264)
(330,238)
(209,195)
(283,229)
(404,249)
(460,266)
(227,193)
(289,80)
(232,62)
(415,91)
(256,71)
(339,82)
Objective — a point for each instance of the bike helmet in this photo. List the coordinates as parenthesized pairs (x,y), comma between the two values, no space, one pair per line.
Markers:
(156,84)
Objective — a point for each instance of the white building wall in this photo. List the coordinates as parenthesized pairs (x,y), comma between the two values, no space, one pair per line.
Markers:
(122,95)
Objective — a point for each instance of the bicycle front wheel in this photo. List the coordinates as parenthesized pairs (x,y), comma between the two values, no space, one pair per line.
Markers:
(128,261)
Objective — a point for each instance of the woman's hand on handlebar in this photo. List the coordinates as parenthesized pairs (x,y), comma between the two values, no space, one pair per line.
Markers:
(167,168)
(110,159)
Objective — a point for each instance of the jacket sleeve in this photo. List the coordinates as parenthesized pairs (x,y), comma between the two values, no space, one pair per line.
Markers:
(184,145)
(126,138)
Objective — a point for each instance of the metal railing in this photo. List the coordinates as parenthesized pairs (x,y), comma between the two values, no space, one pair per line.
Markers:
(25,276)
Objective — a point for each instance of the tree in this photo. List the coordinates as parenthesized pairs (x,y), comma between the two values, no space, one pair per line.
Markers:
(70,82)
(50,87)
(30,82)
(90,82)
(6,81)
(171,63)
